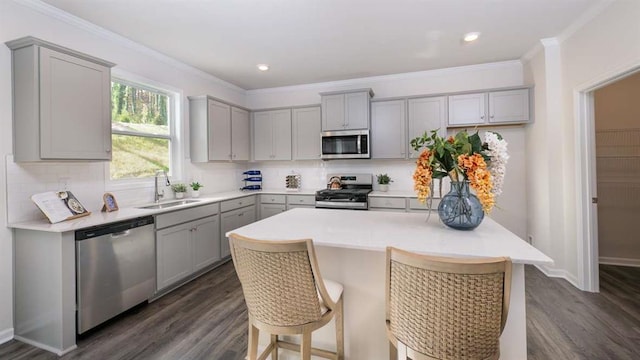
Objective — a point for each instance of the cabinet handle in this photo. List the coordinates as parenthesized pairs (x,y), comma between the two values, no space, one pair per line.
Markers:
(491,116)
(108,150)
(241,214)
(239,202)
(301,200)
(482,117)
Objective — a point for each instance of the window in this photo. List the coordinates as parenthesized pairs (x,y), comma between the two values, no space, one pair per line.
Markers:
(141,128)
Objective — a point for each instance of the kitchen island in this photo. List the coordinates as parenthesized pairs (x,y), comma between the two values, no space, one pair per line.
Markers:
(350,246)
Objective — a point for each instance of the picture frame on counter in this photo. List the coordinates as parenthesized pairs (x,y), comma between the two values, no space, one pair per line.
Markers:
(110,203)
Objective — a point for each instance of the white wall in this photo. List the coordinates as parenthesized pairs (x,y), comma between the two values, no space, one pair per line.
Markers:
(19,181)
(604,47)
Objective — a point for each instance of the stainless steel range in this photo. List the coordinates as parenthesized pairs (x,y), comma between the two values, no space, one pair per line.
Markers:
(345,191)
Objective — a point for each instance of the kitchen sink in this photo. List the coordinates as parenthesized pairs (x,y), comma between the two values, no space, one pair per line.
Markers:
(168,204)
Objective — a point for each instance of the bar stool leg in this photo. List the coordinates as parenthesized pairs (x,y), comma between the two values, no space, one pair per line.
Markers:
(340,329)
(274,352)
(305,346)
(253,342)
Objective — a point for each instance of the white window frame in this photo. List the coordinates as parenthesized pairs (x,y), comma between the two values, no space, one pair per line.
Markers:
(176,169)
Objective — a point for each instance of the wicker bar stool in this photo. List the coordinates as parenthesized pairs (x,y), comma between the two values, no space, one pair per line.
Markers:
(286,295)
(445,308)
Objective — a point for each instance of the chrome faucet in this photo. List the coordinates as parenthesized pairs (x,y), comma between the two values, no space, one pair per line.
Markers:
(159,194)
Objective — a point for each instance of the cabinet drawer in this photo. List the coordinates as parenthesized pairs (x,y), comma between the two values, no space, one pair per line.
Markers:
(387,202)
(237,203)
(182,216)
(414,204)
(272,199)
(301,200)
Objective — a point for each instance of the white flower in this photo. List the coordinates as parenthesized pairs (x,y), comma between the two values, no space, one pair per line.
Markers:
(498,153)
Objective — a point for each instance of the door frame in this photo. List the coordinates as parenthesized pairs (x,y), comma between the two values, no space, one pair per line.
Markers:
(587,215)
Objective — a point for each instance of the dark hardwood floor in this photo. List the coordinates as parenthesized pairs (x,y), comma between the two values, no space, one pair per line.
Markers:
(206,319)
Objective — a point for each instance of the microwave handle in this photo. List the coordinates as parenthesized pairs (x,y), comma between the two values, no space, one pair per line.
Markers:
(359,144)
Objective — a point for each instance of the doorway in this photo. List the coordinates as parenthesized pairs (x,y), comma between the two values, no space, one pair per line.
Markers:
(609,144)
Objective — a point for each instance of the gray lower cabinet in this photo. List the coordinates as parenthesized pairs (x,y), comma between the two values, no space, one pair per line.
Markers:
(272,204)
(301,201)
(61,103)
(401,204)
(185,246)
(232,220)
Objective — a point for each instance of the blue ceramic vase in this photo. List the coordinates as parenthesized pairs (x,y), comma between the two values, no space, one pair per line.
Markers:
(459,209)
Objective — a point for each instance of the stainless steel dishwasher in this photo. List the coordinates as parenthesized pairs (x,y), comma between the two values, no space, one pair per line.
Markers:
(115,269)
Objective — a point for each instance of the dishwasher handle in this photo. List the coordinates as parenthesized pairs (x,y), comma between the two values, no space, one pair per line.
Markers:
(120,234)
(117,229)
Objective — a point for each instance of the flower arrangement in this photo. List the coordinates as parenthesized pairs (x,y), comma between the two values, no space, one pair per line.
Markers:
(462,157)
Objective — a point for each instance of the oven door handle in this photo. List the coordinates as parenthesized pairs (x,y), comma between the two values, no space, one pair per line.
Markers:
(342,204)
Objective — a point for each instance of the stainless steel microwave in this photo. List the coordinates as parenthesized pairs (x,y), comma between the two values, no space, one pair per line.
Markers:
(345,144)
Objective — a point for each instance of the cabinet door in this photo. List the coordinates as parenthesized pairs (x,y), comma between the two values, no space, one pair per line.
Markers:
(239,134)
(267,210)
(232,220)
(467,109)
(206,242)
(262,136)
(426,114)
(174,260)
(75,108)
(509,106)
(306,133)
(388,131)
(281,122)
(333,114)
(219,115)
(356,110)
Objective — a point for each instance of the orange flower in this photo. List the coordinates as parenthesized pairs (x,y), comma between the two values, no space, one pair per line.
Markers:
(475,168)
(423,175)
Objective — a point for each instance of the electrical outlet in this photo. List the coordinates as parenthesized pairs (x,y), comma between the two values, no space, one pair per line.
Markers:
(530,239)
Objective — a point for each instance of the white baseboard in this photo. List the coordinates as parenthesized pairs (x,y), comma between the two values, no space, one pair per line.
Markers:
(44,346)
(559,273)
(6,335)
(619,261)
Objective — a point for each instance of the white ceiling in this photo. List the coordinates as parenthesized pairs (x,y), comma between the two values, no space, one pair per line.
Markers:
(309,41)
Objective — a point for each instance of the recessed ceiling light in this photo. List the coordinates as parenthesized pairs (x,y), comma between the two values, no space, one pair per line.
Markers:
(263,67)
(472,36)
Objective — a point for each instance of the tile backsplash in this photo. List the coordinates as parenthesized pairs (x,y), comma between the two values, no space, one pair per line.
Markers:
(87,180)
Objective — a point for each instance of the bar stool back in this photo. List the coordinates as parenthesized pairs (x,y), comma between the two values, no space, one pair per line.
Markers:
(446,308)
(286,295)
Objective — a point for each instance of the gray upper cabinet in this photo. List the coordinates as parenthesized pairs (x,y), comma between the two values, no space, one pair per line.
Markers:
(346,110)
(272,135)
(388,130)
(306,133)
(509,106)
(426,114)
(487,108)
(61,103)
(239,134)
(218,131)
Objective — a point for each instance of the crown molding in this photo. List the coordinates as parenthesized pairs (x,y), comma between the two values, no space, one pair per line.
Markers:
(531,53)
(385,78)
(82,24)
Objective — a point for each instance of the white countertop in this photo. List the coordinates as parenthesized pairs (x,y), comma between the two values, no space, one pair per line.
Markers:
(375,230)
(100,218)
